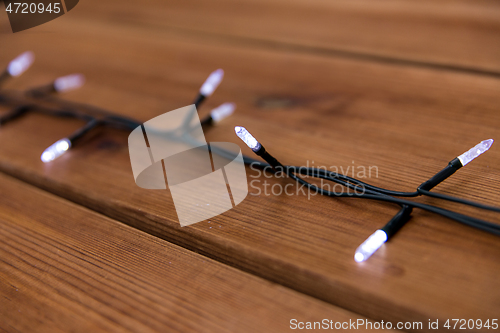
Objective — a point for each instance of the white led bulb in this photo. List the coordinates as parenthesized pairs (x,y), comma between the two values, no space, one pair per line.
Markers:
(475,151)
(20,64)
(369,246)
(222,111)
(243,134)
(212,82)
(69,82)
(56,150)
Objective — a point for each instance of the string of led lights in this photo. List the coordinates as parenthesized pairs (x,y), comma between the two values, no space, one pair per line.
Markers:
(95,117)
(376,193)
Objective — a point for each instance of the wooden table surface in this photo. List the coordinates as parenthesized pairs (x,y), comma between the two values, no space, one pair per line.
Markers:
(401,86)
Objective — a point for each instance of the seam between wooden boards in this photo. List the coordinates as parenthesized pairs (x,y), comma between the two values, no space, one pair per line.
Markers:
(274,45)
(127,220)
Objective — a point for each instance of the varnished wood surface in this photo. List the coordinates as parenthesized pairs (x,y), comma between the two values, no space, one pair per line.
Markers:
(408,121)
(64,268)
(461,34)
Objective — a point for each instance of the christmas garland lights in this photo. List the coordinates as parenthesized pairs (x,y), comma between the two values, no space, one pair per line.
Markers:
(95,117)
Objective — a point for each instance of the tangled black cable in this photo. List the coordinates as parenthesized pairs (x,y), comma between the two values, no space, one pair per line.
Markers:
(95,117)
(367,191)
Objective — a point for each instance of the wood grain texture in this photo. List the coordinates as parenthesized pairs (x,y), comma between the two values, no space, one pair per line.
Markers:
(64,268)
(407,121)
(460,34)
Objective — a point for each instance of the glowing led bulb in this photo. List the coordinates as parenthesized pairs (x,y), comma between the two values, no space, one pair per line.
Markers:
(212,82)
(222,111)
(369,246)
(243,134)
(69,82)
(56,150)
(19,65)
(475,151)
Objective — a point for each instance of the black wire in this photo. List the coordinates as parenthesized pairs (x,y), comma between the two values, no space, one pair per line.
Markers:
(318,171)
(374,195)
(93,123)
(207,121)
(110,119)
(4,76)
(334,176)
(468,220)
(459,200)
(15,113)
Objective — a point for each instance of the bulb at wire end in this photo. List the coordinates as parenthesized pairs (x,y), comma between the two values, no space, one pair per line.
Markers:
(20,64)
(369,246)
(222,111)
(56,150)
(475,151)
(250,141)
(212,82)
(69,82)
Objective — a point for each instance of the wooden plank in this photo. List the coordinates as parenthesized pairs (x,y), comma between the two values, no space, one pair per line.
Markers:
(64,268)
(409,122)
(458,34)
